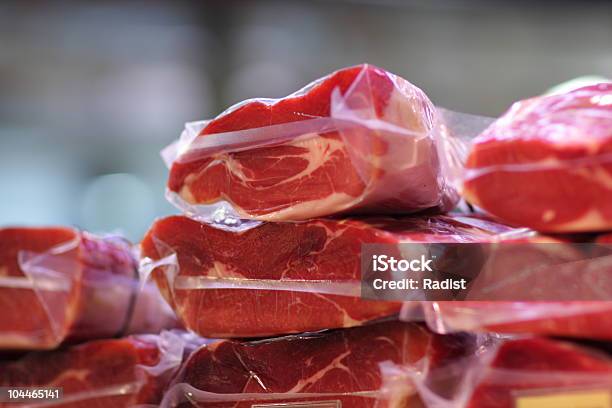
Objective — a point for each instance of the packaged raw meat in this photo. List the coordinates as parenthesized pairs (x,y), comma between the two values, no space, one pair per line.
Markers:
(579,319)
(74,286)
(521,373)
(534,284)
(103,373)
(329,369)
(360,140)
(281,278)
(547,163)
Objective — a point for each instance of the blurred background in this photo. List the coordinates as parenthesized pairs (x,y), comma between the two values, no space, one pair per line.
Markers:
(91,91)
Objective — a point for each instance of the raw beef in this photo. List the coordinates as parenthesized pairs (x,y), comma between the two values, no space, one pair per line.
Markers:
(334,368)
(578,305)
(282,278)
(547,163)
(563,319)
(104,373)
(74,286)
(361,140)
(540,367)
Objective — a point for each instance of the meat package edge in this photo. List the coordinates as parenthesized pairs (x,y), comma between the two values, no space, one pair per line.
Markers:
(76,286)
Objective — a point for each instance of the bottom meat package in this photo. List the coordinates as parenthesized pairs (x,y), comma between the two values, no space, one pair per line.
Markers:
(60,284)
(518,373)
(102,373)
(330,369)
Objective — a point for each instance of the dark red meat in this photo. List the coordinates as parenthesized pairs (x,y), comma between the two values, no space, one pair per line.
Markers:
(539,367)
(360,168)
(547,163)
(518,270)
(341,366)
(564,319)
(100,374)
(42,327)
(317,252)
(70,286)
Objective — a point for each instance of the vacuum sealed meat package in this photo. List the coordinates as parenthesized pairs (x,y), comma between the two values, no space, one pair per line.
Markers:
(527,372)
(360,140)
(547,163)
(534,284)
(338,368)
(103,373)
(578,319)
(62,285)
(281,278)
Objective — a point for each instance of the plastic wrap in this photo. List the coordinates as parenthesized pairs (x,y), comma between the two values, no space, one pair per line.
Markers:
(282,278)
(538,285)
(547,163)
(525,373)
(328,369)
(111,373)
(567,319)
(360,140)
(74,286)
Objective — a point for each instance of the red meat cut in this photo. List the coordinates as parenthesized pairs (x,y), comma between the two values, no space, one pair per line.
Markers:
(386,163)
(547,163)
(540,367)
(103,373)
(74,286)
(581,319)
(338,368)
(281,278)
(521,269)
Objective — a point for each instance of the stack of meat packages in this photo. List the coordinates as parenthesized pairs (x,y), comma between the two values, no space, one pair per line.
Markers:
(280,195)
(61,286)
(265,266)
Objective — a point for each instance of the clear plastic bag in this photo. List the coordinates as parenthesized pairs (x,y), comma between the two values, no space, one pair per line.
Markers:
(117,372)
(566,319)
(360,140)
(534,284)
(282,278)
(75,286)
(547,163)
(332,369)
(508,373)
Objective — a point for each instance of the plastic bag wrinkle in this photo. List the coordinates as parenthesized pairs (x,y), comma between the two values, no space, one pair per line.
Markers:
(430,153)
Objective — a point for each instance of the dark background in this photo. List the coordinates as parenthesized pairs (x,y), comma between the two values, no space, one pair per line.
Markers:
(91,91)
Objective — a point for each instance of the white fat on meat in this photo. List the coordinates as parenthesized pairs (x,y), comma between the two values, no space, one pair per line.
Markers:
(400,158)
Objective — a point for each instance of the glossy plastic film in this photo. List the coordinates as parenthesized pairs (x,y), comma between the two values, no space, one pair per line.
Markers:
(400,160)
(50,280)
(142,367)
(184,395)
(85,288)
(520,167)
(567,319)
(314,297)
(343,371)
(509,373)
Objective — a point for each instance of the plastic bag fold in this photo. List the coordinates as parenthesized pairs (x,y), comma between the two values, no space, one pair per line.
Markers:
(547,163)
(360,140)
(123,372)
(75,286)
(505,372)
(340,368)
(282,278)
